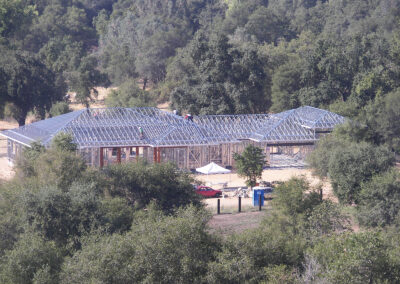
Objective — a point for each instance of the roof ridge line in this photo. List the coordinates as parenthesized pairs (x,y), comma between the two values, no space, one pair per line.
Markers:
(281,120)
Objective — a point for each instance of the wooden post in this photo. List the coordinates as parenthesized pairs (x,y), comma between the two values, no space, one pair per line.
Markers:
(240,204)
(155,154)
(137,154)
(259,202)
(101,157)
(158,155)
(119,155)
(218,206)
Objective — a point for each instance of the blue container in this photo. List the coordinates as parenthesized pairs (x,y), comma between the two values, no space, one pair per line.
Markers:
(256,195)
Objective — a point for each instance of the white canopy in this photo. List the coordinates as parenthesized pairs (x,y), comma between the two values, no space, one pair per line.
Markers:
(212,168)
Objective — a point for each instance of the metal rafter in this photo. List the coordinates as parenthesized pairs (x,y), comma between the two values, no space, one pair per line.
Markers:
(112,127)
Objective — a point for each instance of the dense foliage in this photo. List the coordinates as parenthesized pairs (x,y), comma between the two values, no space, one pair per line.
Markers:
(62,222)
(208,56)
(250,164)
(143,223)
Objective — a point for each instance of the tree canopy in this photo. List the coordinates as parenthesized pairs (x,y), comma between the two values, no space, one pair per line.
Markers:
(250,164)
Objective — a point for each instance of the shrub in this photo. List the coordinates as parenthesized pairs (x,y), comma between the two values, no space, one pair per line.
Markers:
(380,200)
(158,249)
(59,108)
(353,258)
(349,164)
(32,259)
(140,183)
(129,95)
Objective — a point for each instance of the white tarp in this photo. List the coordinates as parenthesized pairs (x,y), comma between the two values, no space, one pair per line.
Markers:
(212,168)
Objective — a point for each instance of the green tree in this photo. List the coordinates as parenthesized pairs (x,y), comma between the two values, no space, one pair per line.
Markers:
(117,215)
(29,259)
(64,142)
(266,26)
(285,86)
(293,199)
(85,79)
(61,168)
(376,121)
(63,215)
(349,164)
(15,18)
(353,258)
(59,108)
(11,220)
(380,200)
(129,95)
(25,166)
(157,249)
(326,219)
(320,157)
(214,77)
(250,164)
(59,165)
(245,257)
(140,183)
(29,85)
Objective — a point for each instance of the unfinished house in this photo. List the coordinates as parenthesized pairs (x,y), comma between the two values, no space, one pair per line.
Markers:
(116,135)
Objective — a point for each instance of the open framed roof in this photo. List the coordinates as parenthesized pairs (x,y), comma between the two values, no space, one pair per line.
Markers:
(113,127)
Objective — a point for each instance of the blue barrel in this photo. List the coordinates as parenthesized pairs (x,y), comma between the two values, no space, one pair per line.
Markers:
(256,195)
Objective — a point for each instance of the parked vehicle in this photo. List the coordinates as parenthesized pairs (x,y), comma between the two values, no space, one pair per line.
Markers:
(208,191)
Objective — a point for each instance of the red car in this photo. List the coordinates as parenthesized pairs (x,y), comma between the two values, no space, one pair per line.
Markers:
(208,191)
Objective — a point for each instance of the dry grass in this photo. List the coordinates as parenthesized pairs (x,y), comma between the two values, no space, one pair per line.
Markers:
(227,224)
(98,103)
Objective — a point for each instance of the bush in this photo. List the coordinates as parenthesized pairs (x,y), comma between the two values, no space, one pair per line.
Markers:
(32,260)
(350,167)
(380,200)
(296,197)
(158,249)
(60,168)
(353,258)
(11,221)
(59,108)
(58,165)
(326,219)
(129,95)
(64,142)
(140,183)
(349,164)
(245,257)
(62,215)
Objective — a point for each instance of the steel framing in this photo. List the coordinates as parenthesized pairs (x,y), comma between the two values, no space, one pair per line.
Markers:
(120,127)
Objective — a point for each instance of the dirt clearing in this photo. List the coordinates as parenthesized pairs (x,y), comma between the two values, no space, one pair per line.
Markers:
(227,224)
(283,174)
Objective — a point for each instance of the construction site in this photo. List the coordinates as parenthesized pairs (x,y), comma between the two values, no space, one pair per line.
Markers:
(106,136)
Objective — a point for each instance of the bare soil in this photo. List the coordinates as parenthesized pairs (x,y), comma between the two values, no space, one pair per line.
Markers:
(233,180)
(228,223)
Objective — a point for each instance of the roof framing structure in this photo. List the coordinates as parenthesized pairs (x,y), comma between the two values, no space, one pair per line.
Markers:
(119,127)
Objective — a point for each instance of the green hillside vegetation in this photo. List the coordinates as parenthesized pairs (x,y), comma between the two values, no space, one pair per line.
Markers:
(62,222)
(204,56)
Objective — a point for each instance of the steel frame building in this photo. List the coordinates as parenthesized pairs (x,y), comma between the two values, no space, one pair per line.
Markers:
(115,135)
